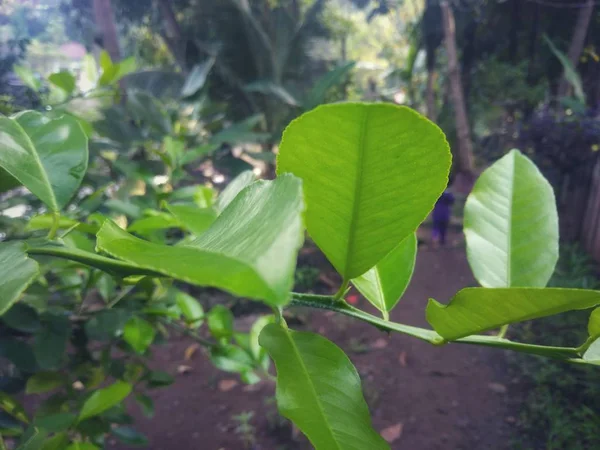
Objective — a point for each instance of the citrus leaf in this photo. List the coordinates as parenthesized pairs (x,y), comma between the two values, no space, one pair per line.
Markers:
(64,80)
(250,250)
(474,310)
(18,272)
(139,334)
(220,322)
(233,189)
(44,381)
(319,390)
(195,220)
(384,284)
(371,174)
(48,156)
(104,399)
(594,323)
(191,309)
(511,225)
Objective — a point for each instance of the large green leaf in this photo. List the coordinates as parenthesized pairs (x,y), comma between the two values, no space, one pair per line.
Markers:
(104,399)
(250,250)
(17,272)
(195,220)
(384,284)
(49,157)
(511,225)
(474,310)
(319,390)
(371,174)
(233,189)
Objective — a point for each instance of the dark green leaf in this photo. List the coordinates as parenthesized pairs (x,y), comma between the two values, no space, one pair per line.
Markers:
(50,343)
(45,381)
(107,324)
(158,379)
(146,405)
(129,436)
(55,422)
(359,155)
(48,156)
(103,399)
(18,272)
(12,407)
(22,317)
(319,390)
(19,353)
(474,310)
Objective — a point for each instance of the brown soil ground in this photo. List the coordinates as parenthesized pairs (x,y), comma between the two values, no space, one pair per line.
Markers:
(451,398)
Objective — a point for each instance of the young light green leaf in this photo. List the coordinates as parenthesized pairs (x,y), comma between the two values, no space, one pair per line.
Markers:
(371,174)
(384,284)
(64,80)
(474,310)
(592,354)
(44,381)
(242,252)
(191,309)
(231,358)
(511,225)
(319,390)
(57,442)
(139,334)
(152,223)
(594,323)
(220,322)
(18,272)
(195,220)
(233,189)
(48,156)
(197,78)
(104,399)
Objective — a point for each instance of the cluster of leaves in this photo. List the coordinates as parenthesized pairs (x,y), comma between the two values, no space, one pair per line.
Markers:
(339,170)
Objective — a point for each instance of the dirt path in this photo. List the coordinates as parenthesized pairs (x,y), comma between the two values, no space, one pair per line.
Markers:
(454,397)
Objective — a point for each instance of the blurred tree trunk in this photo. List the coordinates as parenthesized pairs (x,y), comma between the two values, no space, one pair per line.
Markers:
(430,94)
(577,42)
(433,36)
(465,158)
(105,21)
(173,36)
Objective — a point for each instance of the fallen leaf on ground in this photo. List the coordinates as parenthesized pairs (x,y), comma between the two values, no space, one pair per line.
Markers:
(379,344)
(402,359)
(182,369)
(393,433)
(189,352)
(227,385)
(497,388)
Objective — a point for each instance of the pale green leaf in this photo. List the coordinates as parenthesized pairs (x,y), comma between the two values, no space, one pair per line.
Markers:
(319,390)
(250,250)
(511,225)
(195,220)
(191,309)
(592,354)
(104,399)
(594,323)
(27,77)
(570,73)
(18,272)
(64,80)
(384,284)
(220,322)
(371,174)
(49,157)
(139,334)
(474,310)
(197,78)
(274,89)
(233,189)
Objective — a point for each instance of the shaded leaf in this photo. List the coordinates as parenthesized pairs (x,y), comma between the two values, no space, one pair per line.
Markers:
(358,154)
(570,73)
(319,390)
(50,343)
(106,324)
(139,334)
(274,89)
(197,78)
(44,381)
(18,272)
(23,318)
(511,225)
(384,284)
(13,407)
(334,77)
(474,310)
(130,436)
(104,399)
(220,322)
(236,185)
(146,405)
(48,156)
(64,80)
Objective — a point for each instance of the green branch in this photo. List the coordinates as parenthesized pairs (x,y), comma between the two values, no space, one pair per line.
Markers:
(329,303)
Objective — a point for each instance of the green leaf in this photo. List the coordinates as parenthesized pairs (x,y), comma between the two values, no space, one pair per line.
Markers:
(129,436)
(384,284)
(231,358)
(474,310)
(12,407)
(319,390)
(250,250)
(19,353)
(371,174)
(236,185)
(23,318)
(44,381)
(197,78)
(139,334)
(255,349)
(50,343)
(241,132)
(334,77)
(195,220)
(191,309)
(55,422)
(146,405)
(48,156)
(220,322)
(159,379)
(104,399)
(274,89)
(18,272)
(594,323)
(570,73)
(57,442)
(148,110)
(592,354)
(106,324)
(511,225)
(64,80)
(148,224)
(82,446)
(32,439)
(28,78)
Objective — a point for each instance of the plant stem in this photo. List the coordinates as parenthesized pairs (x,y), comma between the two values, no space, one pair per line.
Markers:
(183,330)
(342,290)
(570,354)
(55,225)
(502,332)
(2,444)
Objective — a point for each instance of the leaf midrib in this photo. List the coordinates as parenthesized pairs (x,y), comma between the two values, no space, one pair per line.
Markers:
(510,222)
(312,388)
(357,191)
(37,159)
